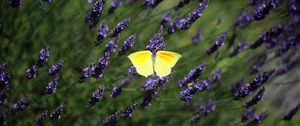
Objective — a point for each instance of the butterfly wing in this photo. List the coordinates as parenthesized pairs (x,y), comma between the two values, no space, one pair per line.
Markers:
(164,61)
(142,61)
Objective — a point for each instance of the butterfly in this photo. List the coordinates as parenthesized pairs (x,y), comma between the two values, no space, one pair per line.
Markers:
(147,62)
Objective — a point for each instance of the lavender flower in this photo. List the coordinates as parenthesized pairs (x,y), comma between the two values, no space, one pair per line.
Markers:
(102,62)
(166,18)
(120,27)
(217,44)
(262,10)
(234,89)
(192,75)
(156,43)
(182,3)
(248,114)
(151,83)
(86,73)
(244,19)
(102,33)
(31,72)
(132,70)
(96,71)
(3,95)
(287,67)
(255,2)
(202,85)
(128,43)
(116,91)
(44,55)
(94,14)
(241,46)
(261,79)
(203,111)
(194,15)
(255,99)
(150,94)
(197,38)
(4,75)
(113,6)
(176,24)
(287,45)
(258,64)
(112,119)
(51,87)
(294,9)
(152,3)
(96,96)
(56,114)
(289,116)
(56,68)
(188,93)
(128,111)
(20,105)
(258,119)
(15,3)
(41,118)
(111,46)
(215,77)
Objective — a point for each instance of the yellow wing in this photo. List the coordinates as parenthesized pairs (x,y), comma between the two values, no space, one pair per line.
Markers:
(142,61)
(164,61)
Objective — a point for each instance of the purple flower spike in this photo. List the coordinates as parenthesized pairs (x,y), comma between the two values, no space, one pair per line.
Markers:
(255,2)
(289,116)
(215,77)
(15,3)
(132,70)
(258,119)
(128,111)
(258,64)
(262,10)
(197,38)
(112,119)
(51,87)
(241,47)
(94,14)
(128,43)
(3,95)
(152,3)
(294,9)
(261,79)
(56,114)
(156,43)
(102,33)
(86,73)
(116,91)
(217,44)
(44,55)
(96,96)
(188,93)
(56,68)
(20,105)
(287,67)
(192,75)
(111,47)
(41,118)
(202,85)
(148,98)
(248,114)
(120,27)
(203,111)
(4,75)
(244,19)
(31,72)
(258,97)
(113,6)
(194,15)
(151,83)
(234,89)
(166,18)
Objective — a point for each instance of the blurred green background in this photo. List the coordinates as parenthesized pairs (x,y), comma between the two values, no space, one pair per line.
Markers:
(60,25)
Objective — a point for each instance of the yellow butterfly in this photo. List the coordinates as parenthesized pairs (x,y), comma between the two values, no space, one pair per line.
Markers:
(147,62)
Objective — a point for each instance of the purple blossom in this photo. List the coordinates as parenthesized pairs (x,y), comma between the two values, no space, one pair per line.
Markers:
(239,48)
(4,75)
(96,96)
(197,38)
(244,19)
(202,85)
(113,6)
(132,70)
(294,9)
(166,18)
(56,68)
(220,41)
(262,10)
(248,114)
(15,3)
(261,79)
(3,95)
(176,24)
(290,43)
(256,67)
(31,72)
(156,42)
(120,27)
(151,83)
(255,2)
(51,87)
(20,105)
(111,46)
(182,3)
(44,55)
(215,77)
(128,43)
(41,118)
(192,75)
(128,111)
(258,119)
(102,33)
(289,116)
(188,93)
(203,111)
(268,37)
(86,73)
(56,114)
(112,119)
(96,71)
(150,94)
(152,3)
(116,91)
(102,62)
(287,67)
(258,97)
(234,89)
(94,14)
(244,90)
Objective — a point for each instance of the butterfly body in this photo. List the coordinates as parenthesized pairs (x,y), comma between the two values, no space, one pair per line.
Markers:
(161,62)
